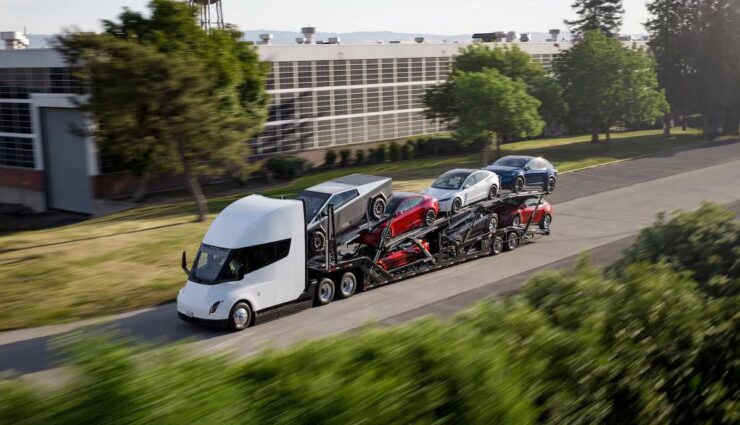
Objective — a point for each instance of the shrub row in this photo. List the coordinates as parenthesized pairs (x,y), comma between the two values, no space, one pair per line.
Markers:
(643,343)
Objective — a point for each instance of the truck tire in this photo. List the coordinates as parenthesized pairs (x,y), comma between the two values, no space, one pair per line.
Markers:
(240,316)
(347,285)
(324,292)
(498,245)
(317,241)
(512,242)
(377,208)
(430,217)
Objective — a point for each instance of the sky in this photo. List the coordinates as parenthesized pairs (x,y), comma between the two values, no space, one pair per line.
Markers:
(446,17)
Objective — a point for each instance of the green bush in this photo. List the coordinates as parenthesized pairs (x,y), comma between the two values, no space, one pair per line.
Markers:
(378,154)
(330,158)
(286,167)
(359,156)
(407,151)
(394,152)
(345,156)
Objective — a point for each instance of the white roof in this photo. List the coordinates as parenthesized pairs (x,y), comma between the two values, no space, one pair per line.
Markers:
(255,220)
(330,187)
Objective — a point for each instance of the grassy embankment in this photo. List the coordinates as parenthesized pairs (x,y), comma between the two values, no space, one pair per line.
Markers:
(131,259)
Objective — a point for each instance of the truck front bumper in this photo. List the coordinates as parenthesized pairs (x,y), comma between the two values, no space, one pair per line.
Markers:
(214,323)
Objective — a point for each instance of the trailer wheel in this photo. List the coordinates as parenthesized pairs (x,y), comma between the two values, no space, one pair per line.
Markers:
(516,221)
(240,316)
(430,217)
(377,208)
(456,205)
(318,240)
(550,185)
(347,286)
(492,191)
(498,245)
(512,242)
(546,221)
(492,223)
(518,184)
(324,292)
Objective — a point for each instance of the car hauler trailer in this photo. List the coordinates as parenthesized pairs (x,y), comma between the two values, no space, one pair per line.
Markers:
(253,265)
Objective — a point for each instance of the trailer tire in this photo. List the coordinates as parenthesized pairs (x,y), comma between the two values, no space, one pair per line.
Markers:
(377,208)
(550,185)
(518,185)
(240,316)
(516,221)
(498,245)
(546,221)
(430,217)
(324,292)
(317,241)
(347,285)
(455,206)
(512,242)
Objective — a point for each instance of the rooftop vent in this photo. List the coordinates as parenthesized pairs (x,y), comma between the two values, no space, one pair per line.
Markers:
(419,40)
(300,40)
(524,38)
(554,34)
(308,34)
(335,40)
(14,40)
(265,38)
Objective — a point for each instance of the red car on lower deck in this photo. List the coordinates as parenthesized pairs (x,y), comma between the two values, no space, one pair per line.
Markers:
(407,212)
(403,256)
(515,212)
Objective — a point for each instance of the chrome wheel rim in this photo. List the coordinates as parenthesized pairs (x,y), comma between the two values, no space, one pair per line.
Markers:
(325,292)
(348,285)
(498,245)
(241,316)
(512,242)
(492,224)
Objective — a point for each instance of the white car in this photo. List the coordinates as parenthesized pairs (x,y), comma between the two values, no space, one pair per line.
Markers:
(460,187)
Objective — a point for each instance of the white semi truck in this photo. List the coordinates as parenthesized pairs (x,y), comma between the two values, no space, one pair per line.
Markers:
(254,266)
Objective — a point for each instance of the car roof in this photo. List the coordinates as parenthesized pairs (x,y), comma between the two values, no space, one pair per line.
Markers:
(527,157)
(405,194)
(347,182)
(463,170)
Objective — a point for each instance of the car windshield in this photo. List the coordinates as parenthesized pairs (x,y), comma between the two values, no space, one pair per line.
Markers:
(452,180)
(511,162)
(394,203)
(208,263)
(314,201)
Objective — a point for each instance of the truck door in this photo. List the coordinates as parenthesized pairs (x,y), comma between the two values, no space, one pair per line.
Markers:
(347,210)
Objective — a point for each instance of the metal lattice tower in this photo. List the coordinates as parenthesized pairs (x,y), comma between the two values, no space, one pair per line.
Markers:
(210,13)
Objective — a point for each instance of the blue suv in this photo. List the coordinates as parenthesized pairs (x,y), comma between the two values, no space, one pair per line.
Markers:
(518,172)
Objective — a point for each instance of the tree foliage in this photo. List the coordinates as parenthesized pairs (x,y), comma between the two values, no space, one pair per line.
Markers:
(597,15)
(167,96)
(606,84)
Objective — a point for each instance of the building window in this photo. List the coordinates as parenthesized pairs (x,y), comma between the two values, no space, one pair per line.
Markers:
(389,72)
(340,102)
(286,75)
(430,65)
(356,72)
(305,74)
(357,101)
(16,151)
(402,97)
(19,83)
(372,71)
(323,74)
(15,118)
(402,70)
(340,73)
(373,100)
(389,126)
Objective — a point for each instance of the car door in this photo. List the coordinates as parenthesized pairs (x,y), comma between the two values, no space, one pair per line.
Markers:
(467,190)
(346,212)
(415,212)
(536,172)
(529,209)
(400,221)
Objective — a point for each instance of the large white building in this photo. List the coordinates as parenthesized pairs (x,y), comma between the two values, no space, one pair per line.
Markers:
(325,96)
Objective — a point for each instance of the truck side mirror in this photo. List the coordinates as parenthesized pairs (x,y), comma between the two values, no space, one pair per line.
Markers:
(184,263)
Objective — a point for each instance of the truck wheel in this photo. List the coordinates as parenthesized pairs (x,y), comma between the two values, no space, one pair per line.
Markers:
(456,205)
(347,286)
(492,191)
(498,245)
(377,208)
(318,240)
(430,217)
(240,317)
(550,185)
(546,221)
(511,242)
(518,184)
(324,292)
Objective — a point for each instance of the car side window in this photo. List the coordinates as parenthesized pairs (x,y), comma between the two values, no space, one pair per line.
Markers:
(416,200)
(538,164)
(403,206)
(470,181)
(339,199)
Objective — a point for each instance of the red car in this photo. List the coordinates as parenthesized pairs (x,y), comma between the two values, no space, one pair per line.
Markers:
(403,256)
(407,211)
(515,212)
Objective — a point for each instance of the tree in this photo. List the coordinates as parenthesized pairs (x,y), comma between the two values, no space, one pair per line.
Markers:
(140,75)
(485,105)
(597,15)
(607,84)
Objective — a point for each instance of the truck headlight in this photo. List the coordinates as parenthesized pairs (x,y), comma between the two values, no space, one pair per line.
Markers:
(214,307)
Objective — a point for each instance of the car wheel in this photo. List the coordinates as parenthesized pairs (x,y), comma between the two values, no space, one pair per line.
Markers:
(546,221)
(240,317)
(430,217)
(492,224)
(324,292)
(377,208)
(318,241)
(492,191)
(516,221)
(498,245)
(347,285)
(518,184)
(512,242)
(550,185)
(456,205)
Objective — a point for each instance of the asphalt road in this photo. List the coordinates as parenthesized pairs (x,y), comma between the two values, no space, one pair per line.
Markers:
(599,210)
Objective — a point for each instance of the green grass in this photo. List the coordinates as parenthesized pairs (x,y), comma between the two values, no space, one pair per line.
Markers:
(131,259)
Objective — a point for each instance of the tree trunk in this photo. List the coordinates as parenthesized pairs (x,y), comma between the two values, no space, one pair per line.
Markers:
(486,148)
(140,192)
(706,128)
(667,121)
(608,135)
(595,136)
(499,152)
(684,123)
(195,190)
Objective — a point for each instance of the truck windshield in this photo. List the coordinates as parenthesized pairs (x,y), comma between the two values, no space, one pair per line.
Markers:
(209,262)
(314,201)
